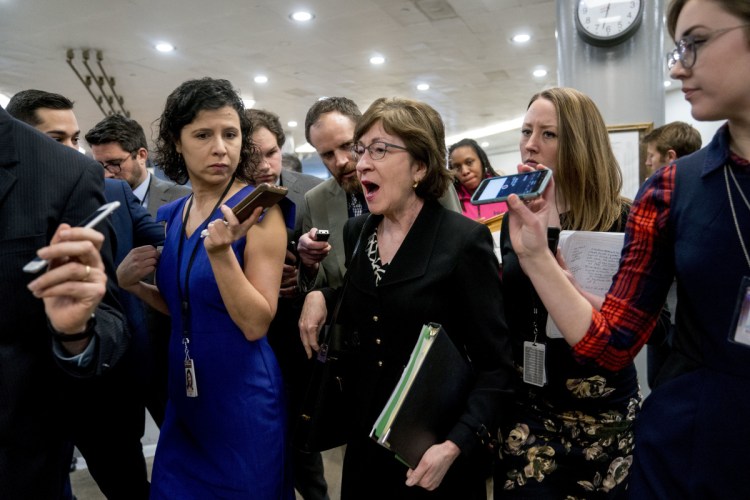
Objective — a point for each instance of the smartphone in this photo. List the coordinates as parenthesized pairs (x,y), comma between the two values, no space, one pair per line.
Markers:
(527,185)
(264,195)
(322,235)
(37,264)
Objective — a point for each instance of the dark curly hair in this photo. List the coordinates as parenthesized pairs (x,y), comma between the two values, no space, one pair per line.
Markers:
(181,108)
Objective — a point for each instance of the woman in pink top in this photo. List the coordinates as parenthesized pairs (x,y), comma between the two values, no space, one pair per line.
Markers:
(469,164)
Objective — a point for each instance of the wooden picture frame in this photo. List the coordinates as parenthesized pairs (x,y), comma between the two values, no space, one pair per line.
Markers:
(627,144)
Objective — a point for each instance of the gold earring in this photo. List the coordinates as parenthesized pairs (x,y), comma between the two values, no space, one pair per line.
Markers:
(414,186)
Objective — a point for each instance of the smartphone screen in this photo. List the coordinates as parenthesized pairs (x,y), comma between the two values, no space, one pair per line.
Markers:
(526,185)
(37,264)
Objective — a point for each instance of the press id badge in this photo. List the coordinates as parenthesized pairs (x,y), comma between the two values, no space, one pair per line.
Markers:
(740,330)
(191,383)
(534,371)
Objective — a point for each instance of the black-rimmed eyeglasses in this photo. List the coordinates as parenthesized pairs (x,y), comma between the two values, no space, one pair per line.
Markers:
(377,149)
(687,47)
(114,166)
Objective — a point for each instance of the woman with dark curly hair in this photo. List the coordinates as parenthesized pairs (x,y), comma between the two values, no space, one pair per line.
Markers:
(223,434)
(470,165)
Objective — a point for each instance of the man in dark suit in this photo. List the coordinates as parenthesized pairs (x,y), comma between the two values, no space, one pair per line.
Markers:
(119,143)
(51,351)
(115,460)
(283,335)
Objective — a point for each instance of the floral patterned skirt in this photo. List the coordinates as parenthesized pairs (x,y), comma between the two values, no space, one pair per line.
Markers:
(570,455)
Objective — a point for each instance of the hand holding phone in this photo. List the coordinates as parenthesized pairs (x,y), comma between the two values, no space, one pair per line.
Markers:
(37,264)
(526,185)
(322,235)
(264,195)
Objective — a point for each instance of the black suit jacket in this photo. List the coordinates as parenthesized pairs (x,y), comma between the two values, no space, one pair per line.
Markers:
(42,184)
(444,272)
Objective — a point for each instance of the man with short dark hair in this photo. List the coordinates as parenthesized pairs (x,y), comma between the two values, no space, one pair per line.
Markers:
(48,113)
(119,144)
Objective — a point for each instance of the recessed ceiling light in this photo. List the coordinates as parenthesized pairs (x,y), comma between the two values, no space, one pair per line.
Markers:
(249,103)
(377,60)
(302,16)
(521,38)
(4,100)
(291,124)
(423,86)
(539,72)
(667,83)
(485,144)
(164,47)
(261,79)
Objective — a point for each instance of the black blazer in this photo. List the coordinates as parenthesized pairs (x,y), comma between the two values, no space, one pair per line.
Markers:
(42,184)
(445,272)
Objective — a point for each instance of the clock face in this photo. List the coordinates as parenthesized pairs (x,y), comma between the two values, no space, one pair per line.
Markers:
(603,22)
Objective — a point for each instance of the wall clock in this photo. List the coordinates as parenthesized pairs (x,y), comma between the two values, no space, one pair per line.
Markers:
(607,23)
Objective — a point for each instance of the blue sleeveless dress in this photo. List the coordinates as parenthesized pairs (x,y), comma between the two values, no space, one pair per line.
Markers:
(229,442)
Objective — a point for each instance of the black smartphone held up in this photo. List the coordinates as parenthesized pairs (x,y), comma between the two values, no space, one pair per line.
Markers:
(322,235)
(264,195)
(526,185)
(101,213)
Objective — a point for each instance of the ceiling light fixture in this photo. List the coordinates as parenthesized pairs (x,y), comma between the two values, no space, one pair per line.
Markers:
(540,72)
(376,60)
(302,16)
(423,86)
(249,103)
(261,79)
(4,100)
(521,38)
(305,148)
(485,144)
(495,128)
(164,47)
(667,83)
(291,124)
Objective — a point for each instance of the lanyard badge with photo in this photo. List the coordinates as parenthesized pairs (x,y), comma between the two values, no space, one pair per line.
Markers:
(739,332)
(191,382)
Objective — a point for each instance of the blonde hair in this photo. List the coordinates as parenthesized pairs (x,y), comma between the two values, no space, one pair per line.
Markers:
(587,174)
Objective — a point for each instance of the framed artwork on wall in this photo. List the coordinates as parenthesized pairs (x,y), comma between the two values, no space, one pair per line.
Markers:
(627,145)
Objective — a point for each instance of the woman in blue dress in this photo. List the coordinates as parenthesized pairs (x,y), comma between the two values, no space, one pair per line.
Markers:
(223,435)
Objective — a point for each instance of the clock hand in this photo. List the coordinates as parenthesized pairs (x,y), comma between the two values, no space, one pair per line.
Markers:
(606,13)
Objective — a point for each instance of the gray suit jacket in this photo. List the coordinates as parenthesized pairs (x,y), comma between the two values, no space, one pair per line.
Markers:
(297,184)
(324,207)
(162,192)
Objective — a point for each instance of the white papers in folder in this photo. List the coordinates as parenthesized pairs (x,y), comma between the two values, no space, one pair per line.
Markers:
(593,258)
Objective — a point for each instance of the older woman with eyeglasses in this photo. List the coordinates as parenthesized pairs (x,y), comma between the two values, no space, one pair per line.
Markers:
(690,221)
(416,263)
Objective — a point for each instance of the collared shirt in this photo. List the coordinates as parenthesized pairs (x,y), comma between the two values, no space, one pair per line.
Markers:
(141,192)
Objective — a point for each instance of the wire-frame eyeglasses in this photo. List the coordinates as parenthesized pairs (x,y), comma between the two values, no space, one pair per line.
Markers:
(687,47)
(377,149)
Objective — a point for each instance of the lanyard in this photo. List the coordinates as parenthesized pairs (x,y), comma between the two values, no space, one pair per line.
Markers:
(184,287)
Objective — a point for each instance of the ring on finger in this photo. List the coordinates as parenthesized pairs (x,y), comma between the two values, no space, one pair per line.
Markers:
(88,272)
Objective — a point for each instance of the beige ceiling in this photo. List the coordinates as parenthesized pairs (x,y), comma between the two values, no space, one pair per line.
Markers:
(461,48)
